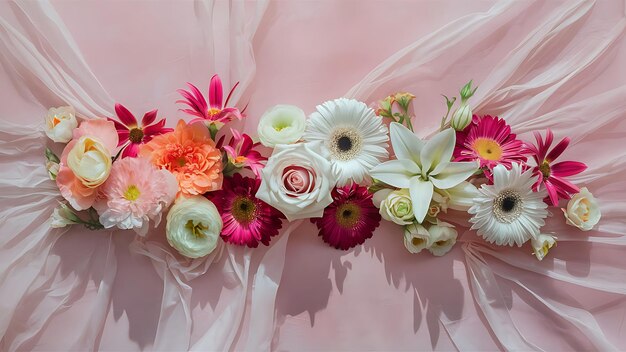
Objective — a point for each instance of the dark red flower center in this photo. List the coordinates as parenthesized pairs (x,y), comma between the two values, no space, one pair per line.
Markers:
(348,215)
(136,135)
(545,169)
(244,210)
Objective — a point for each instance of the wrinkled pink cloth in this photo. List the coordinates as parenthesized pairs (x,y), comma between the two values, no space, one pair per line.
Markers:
(538,64)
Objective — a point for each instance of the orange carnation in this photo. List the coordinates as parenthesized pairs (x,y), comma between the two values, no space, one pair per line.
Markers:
(190,154)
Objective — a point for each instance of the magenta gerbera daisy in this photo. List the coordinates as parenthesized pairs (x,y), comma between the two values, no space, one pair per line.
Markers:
(489,140)
(350,219)
(216,110)
(552,175)
(131,134)
(247,219)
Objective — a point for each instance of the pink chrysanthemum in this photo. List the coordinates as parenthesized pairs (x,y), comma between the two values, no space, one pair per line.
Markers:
(490,141)
(350,219)
(247,219)
(135,193)
(240,152)
(216,110)
(132,134)
(550,174)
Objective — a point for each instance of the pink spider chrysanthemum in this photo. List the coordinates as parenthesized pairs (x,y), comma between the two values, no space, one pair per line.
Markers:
(489,140)
(552,175)
(241,152)
(216,110)
(247,220)
(350,219)
(132,134)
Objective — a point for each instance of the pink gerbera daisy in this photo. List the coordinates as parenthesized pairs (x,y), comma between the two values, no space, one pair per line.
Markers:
(247,219)
(550,174)
(132,134)
(350,219)
(490,141)
(216,110)
(240,152)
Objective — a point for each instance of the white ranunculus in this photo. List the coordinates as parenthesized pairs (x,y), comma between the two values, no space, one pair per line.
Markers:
(63,216)
(193,226)
(60,122)
(397,207)
(582,210)
(282,124)
(90,161)
(542,244)
(416,238)
(443,237)
(297,181)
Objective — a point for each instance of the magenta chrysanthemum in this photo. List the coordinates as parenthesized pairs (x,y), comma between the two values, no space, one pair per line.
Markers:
(490,141)
(247,219)
(350,219)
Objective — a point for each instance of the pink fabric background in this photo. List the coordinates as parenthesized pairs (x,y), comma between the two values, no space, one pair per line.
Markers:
(557,64)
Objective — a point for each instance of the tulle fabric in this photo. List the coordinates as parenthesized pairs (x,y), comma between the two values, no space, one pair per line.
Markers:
(535,78)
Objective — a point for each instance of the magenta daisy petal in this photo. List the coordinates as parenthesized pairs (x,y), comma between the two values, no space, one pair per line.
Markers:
(247,220)
(131,134)
(489,140)
(350,219)
(215,110)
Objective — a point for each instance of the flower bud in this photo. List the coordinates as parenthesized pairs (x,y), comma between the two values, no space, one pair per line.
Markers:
(542,244)
(462,117)
(63,216)
(467,91)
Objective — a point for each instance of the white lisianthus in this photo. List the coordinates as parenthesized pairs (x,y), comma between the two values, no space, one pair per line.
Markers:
(90,160)
(462,117)
(582,210)
(193,226)
(282,124)
(297,181)
(542,244)
(397,207)
(60,122)
(443,237)
(416,238)
(63,216)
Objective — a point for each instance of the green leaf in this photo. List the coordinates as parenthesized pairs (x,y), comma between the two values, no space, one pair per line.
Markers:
(51,156)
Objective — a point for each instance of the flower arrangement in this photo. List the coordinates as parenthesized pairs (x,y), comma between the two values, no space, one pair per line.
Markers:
(333,168)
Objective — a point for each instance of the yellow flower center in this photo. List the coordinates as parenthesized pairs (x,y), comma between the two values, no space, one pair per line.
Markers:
(55,121)
(213,111)
(132,193)
(197,229)
(583,210)
(416,241)
(348,215)
(240,159)
(244,210)
(545,169)
(487,149)
(281,125)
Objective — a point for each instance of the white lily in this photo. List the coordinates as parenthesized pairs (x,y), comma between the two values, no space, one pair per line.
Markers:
(422,166)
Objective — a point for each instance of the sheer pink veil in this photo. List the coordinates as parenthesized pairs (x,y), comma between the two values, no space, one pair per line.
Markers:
(536,79)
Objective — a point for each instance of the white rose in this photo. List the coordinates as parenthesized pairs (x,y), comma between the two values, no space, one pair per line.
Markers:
(90,161)
(397,207)
(297,181)
(193,226)
(582,210)
(542,244)
(416,238)
(60,122)
(443,237)
(63,216)
(282,124)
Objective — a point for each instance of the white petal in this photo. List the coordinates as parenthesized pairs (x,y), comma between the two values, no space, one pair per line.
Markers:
(453,173)
(396,173)
(438,149)
(421,195)
(406,145)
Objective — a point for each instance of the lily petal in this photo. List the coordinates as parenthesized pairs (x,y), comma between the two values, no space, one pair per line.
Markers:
(438,149)
(406,145)
(421,194)
(397,173)
(453,174)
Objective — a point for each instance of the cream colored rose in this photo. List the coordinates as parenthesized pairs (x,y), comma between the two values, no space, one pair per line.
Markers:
(282,124)
(443,237)
(542,244)
(90,161)
(416,238)
(193,226)
(397,207)
(582,210)
(60,122)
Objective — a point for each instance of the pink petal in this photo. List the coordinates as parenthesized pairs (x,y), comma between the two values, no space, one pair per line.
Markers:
(123,137)
(554,198)
(125,116)
(230,94)
(149,117)
(567,168)
(558,149)
(157,128)
(131,151)
(215,92)
(118,125)
(564,185)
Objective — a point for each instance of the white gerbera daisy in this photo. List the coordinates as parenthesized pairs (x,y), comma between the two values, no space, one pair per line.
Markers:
(509,212)
(350,135)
